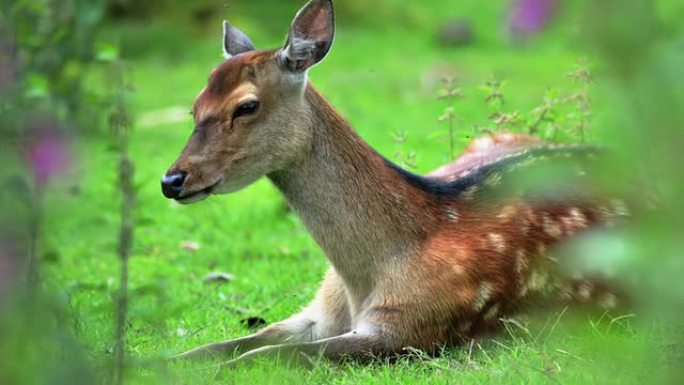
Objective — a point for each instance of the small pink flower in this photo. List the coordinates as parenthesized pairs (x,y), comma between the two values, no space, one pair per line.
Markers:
(528,17)
(47,153)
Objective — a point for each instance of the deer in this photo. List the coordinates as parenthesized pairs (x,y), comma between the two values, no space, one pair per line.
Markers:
(418,262)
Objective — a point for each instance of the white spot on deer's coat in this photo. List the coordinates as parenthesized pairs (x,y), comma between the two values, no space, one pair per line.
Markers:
(508,212)
(619,207)
(529,213)
(523,225)
(607,215)
(520,262)
(492,312)
(538,279)
(494,179)
(470,192)
(483,295)
(451,214)
(574,221)
(565,293)
(541,249)
(523,289)
(579,220)
(497,242)
(551,227)
(578,216)
(608,301)
(584,290)
(457,269)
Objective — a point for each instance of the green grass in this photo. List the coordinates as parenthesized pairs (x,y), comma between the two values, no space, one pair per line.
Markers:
(383,79)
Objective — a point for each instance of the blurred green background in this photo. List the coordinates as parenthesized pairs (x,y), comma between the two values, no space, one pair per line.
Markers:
(83,73)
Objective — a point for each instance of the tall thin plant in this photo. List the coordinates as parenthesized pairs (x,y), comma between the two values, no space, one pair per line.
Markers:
(404,158)
(450,92)
(120,124)
(583,105)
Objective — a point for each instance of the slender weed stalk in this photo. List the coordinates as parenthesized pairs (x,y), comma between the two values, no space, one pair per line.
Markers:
(496,100)
(583,105)
(403,157)
(450,92)
(120,125)
(34,229)
(566,113)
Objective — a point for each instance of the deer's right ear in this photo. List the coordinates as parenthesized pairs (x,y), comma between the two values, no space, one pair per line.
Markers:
(235,41)
(311,36)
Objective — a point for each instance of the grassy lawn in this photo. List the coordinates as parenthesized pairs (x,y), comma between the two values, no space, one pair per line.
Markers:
(384,79)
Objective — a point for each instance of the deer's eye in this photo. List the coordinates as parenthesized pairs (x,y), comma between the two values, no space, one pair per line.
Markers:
(247,108)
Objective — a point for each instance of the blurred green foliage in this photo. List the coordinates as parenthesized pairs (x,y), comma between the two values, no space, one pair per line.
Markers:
(52,66)
(55,45)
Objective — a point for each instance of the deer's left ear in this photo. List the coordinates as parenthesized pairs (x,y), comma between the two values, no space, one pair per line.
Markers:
(311,36)
(235,41)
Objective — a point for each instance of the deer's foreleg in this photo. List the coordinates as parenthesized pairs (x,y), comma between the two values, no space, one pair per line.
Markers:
(366,342)
(298,328)
(326,316)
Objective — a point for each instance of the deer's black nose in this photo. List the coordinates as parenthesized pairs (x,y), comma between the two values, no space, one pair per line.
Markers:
(172,184)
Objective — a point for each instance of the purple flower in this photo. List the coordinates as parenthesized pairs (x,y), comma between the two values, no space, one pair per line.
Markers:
(47,152)
(528,17)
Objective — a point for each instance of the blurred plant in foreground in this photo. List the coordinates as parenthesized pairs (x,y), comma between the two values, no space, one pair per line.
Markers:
(52,45)
(120,123)
(49,55)
(640,116)
(47,153)
(528,17)
(47,156)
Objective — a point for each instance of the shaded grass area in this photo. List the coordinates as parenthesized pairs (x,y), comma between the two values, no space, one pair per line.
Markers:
(383,79)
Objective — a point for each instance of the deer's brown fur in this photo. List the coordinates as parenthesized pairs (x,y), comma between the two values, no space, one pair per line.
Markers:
(415,262)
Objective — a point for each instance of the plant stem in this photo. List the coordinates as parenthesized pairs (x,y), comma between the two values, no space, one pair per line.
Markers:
(120,123)
(125,242)
(535,125)
(33,263)
(451,137)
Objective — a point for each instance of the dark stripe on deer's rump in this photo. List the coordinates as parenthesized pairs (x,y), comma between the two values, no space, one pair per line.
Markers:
(452,189)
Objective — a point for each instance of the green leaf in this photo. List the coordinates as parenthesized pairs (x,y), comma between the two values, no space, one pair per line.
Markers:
(36,86)
(106,52)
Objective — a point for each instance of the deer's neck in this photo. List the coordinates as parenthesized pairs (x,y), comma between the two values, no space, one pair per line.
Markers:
(361,212)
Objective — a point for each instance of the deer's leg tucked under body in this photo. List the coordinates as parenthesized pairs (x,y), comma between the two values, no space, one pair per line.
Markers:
(363,342)
(326,316)
(296,328)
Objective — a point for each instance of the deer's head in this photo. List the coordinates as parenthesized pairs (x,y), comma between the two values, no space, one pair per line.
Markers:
(251,119)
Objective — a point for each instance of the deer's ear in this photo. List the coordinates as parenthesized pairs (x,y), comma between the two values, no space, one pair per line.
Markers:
(311,36)
(235,41)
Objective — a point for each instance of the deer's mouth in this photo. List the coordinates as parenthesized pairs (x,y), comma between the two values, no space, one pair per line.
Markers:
(198,195)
